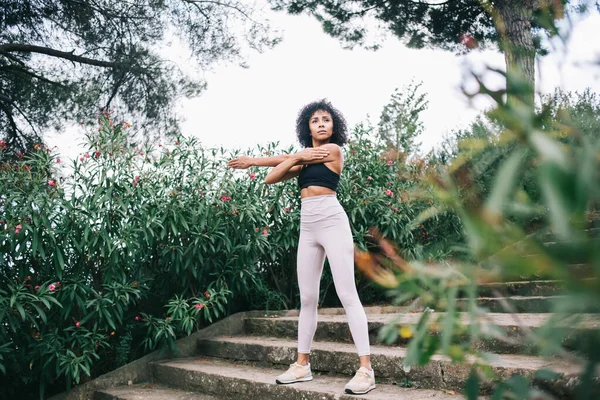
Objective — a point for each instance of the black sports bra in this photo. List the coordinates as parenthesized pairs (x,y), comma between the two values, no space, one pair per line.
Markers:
(318,175)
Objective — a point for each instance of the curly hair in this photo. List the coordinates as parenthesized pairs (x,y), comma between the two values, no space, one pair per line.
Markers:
(339,135)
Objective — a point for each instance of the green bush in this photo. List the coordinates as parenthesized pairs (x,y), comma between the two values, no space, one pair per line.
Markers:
(138,246)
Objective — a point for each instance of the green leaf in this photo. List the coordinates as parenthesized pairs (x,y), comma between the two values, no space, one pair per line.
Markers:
(504,183)
(40,312)
(549,149)
(449,319)
(60,262)
(21,311)
(556,202)
(108,318)
(472,385)
(53,300)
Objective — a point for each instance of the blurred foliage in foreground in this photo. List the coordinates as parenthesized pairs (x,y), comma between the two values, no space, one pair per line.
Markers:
(536,178)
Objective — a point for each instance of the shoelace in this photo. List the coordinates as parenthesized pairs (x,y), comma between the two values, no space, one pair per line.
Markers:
(363,374)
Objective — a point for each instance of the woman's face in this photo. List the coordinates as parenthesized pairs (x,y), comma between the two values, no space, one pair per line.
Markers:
(321,126)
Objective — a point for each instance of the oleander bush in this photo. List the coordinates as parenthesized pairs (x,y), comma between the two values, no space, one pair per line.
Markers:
(132,246)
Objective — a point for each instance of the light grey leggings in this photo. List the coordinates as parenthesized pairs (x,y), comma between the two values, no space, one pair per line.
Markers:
(325,230)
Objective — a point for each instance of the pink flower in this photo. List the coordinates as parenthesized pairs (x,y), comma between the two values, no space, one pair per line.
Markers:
(37,288)
(136,178)
(369,178)
(389,163)
(51,183)
(256,229)
(137,317)
(206,294)
(81,159)
(159,145)
(20,154)
(77,324)
(265,232)
(287,209)
(388,192)
(199,306)
(51,287)
(97,154)
(58,160)
(18,227)
(467,40)
(87,155)
(395,209)
(2,144)
(135,183)
(252,176)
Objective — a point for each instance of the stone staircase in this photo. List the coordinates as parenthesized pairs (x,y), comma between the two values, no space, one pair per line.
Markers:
(240,356)
(243,365)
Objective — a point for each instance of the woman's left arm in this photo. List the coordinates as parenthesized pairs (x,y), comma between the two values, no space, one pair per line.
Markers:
(309,155)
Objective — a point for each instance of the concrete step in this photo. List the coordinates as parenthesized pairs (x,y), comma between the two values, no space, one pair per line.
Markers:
(341,358)
(591,232)
(510,338)
(527,288)
(520,304)
(522,288)
(560,251)
(149,391)
(246,381)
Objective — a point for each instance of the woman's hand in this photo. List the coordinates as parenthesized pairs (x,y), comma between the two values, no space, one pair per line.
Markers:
(312,154)
(242,162)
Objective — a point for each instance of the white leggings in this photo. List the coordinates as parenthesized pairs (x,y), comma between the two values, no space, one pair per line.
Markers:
(325,230)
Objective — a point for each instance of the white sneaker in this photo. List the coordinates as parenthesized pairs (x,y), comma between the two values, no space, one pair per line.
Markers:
(363,382)
(296,373)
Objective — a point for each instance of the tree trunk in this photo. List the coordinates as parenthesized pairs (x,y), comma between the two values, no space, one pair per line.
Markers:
(513,22)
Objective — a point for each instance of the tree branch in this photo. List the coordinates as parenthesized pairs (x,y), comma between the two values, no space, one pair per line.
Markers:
(13,58)
(115,90)
(9,115)
(25,71)
(223,5)
(28,48)
(432,4)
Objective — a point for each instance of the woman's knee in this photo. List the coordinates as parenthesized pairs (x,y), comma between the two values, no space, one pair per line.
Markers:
(349,298)
(309,300)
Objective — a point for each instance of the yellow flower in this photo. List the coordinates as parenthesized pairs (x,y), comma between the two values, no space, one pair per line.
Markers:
(406,332)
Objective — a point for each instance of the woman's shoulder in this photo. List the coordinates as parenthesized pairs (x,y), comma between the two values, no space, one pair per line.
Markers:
(333,148)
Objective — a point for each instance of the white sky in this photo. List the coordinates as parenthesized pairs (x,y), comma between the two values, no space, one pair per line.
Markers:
(245,107)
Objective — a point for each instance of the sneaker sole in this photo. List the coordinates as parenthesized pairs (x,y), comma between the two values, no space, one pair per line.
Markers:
(306,379)
(349,391)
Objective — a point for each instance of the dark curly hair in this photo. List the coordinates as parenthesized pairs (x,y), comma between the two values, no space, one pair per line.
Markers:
(339,135)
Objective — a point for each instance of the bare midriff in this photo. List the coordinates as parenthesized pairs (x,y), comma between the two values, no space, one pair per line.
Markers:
(315,191)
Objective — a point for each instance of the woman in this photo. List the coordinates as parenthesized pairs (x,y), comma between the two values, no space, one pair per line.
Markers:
(324,231)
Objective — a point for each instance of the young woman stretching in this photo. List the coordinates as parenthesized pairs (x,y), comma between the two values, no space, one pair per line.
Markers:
(324,231)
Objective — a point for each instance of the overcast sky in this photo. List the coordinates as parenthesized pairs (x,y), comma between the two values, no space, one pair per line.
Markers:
(243,107)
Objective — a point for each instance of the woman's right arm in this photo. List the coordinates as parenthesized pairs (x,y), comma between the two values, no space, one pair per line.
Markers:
(244,162)
(285,170)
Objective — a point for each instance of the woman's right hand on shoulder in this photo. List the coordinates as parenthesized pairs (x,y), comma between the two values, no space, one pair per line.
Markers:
(312,154)
(242,162)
